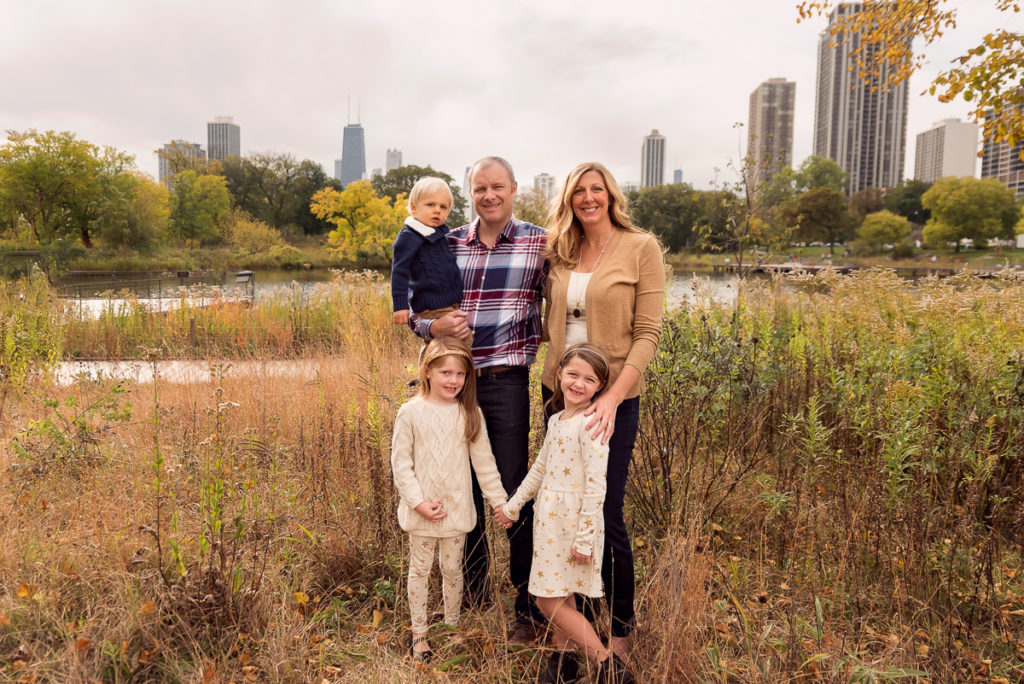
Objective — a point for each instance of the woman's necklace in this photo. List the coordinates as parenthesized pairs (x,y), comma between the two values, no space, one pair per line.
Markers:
(581,292)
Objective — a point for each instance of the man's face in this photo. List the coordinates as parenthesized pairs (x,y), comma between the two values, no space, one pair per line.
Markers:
(493,191)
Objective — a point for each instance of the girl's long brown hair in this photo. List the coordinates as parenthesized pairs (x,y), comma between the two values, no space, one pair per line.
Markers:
(435,352)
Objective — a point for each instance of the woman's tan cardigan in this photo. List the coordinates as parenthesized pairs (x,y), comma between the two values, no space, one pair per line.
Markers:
(624,303)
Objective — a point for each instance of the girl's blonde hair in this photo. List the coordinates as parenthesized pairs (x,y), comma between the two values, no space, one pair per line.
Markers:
(425,187)
(434,353)
(565,234)
(594,358)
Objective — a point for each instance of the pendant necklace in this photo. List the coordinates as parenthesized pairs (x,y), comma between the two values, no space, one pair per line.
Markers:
(576,312)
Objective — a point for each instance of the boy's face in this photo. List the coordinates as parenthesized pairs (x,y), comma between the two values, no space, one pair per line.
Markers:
(433,209)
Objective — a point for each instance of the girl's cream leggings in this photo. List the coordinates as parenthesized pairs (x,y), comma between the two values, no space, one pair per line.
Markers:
(421,561)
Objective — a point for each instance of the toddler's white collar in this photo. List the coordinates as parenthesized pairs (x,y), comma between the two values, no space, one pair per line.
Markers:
(420,227)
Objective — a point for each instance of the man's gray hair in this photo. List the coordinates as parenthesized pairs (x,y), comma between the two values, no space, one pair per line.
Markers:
(487,161)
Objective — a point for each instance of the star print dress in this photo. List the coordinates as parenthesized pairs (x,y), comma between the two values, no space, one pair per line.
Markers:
(568,479)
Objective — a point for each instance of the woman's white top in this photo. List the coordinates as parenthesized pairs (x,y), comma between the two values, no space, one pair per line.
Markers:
(575,300)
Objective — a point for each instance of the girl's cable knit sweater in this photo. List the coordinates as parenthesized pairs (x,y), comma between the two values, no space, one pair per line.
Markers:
(430,459)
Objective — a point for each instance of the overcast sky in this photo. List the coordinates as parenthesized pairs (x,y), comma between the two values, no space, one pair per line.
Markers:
(545,83)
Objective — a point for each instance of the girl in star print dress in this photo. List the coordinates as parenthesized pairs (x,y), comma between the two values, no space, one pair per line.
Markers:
(568,481)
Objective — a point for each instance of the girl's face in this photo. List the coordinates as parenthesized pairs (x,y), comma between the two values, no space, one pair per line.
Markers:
(579,383)
(446,376)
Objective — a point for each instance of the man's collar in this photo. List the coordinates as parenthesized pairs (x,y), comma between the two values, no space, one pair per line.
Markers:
(508,232)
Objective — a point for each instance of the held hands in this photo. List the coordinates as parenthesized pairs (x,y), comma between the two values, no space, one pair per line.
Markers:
(603,417)
(432,510)
(453,324)
(501,518)
(401,317)
(580,559)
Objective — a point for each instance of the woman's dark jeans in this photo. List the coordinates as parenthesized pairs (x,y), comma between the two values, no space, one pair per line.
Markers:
(617,564)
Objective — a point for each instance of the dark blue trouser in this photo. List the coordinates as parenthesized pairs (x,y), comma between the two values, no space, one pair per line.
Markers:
(617,563)
(504,399)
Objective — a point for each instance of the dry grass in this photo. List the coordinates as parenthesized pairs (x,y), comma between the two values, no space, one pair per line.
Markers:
(828,486)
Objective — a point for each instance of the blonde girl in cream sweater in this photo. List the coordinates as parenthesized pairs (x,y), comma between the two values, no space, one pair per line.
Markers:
(438,436)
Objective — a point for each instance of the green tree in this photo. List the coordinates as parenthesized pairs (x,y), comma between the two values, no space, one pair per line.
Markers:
(905,200)
(277,190)
(882,228)
(669,211)
(821,172)
(820,215)
(54,186)
(531,206)
(197,205)
(136,214)
(400,181)
(366,224)
(969,208)
(988,75)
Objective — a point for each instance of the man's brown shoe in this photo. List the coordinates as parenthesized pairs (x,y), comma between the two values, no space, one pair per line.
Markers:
(525,633)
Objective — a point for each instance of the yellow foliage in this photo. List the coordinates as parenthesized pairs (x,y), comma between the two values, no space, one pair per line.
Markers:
(366,224)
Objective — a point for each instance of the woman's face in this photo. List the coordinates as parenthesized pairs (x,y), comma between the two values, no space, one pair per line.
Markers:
(590,200)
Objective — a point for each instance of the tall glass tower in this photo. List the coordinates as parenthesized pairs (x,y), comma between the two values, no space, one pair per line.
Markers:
(353,155)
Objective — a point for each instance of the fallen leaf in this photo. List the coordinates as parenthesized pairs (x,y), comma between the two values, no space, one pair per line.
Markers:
(146,655)
(19,665)
(27,678)
(209,674)
(382,638)
(148,607)
(26,591)
(244,657)
(922,650)
(378,617)
(4,620)
(83,644)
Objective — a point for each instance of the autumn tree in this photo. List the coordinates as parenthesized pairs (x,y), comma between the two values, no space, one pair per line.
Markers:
(969,208)
(55,186)
(197,205)
(400,181)
(366,224)
(988,75)
(882,228)
(136,213)
(531,206)
(820,215)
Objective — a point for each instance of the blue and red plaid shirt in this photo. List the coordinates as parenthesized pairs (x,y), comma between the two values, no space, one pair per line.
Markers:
(502,291)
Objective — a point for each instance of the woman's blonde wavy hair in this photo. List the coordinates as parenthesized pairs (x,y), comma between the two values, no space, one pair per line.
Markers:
(565,234)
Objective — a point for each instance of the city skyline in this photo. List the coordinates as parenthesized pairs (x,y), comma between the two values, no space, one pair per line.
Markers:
(613,88)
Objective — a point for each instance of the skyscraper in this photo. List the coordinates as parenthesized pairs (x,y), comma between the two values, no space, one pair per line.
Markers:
(652,160)
(175,155)
(393,160)
(677,177)
(223,138)
(353,155)
(1001,161)
(770,130)
(861,125)
(948,148)
(544,183)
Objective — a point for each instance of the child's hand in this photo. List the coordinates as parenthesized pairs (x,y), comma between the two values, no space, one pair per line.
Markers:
(401,317)
(432,510)
(503,520)
(580,559)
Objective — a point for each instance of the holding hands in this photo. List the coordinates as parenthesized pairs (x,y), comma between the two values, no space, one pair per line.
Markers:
(580,559)
(432,510)
(503,520)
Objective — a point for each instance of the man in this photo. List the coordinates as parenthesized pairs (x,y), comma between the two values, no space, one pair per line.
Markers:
(503,272)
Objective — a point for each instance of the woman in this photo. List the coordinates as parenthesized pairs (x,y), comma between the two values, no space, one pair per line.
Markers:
(606,286)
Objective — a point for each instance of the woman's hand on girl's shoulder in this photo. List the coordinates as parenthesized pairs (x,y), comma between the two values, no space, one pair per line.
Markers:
(602,417)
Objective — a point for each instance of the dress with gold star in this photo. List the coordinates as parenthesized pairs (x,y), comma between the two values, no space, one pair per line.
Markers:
(568,479)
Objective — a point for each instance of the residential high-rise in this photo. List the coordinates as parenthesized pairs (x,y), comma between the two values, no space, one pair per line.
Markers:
(652,160)
(175,155)
(223,138)
(393,160)
(677,177)
(544,183)
(770,130)
(861,125)
(353,155)
(948,148)
(1001,161)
